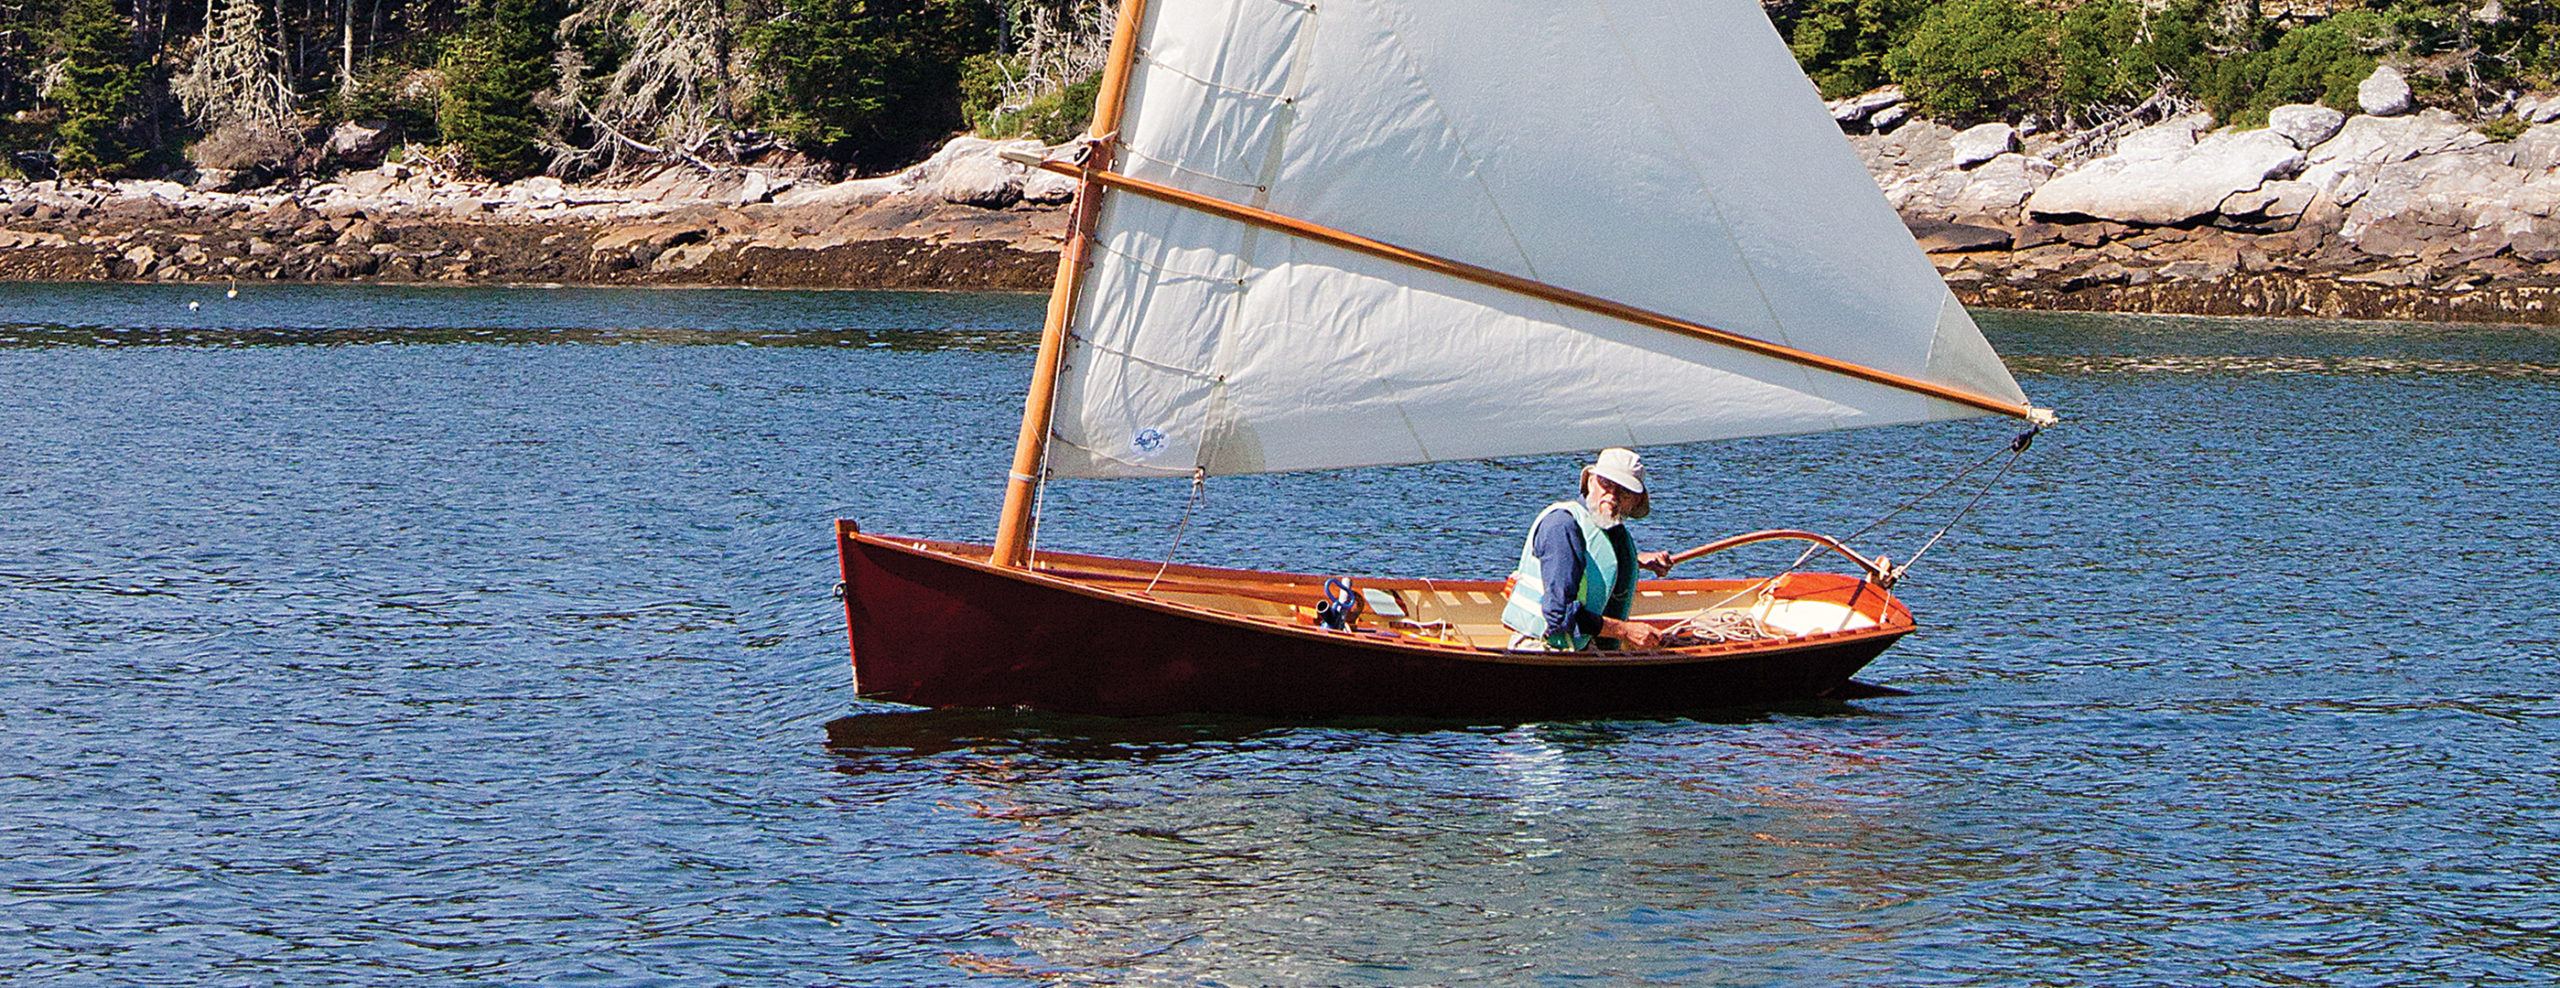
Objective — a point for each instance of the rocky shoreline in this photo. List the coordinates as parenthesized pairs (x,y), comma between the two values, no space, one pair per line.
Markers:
(681,226)
(2386,214)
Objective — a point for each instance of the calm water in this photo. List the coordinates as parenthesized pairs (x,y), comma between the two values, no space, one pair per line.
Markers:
(384,636)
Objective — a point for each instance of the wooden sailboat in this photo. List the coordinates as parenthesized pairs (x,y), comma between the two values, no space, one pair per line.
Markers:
(1404,231)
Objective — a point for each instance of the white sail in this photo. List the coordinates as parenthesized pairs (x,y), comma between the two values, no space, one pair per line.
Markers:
(1664,154)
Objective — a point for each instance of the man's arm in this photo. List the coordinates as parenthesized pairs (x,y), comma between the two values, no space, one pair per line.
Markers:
(1557,542)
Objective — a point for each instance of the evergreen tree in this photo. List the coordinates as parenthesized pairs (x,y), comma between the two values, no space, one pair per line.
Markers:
(494,69)
(867,79)
(96,88)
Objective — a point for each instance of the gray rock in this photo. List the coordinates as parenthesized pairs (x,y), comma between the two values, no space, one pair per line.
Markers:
(2385,93)
(2305,124)
(1888,118)
(368,183)
(539,188)
(2539,109)
(2538,149)
(1983,143)
(2166,139)
(2383,140)
(2168,190)
(1048,188)
(2447,202)
(982,178)
(361,141)
(929,171)
(1996,189)
(2274,200)
(1856,111)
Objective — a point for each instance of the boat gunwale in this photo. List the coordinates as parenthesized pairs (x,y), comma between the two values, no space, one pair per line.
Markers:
(944,551)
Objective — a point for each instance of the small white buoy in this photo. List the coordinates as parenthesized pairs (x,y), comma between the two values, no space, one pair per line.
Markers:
(233,293)
(193,306)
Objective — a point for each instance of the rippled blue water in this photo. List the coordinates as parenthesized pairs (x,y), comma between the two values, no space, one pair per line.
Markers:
(372,636)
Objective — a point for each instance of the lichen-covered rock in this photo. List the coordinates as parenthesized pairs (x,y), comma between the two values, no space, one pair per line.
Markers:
(1982,143)
(2385,93)
(2305,124)
(1997,189)
(2171,189)
(2383,140)
(1856,112)
(361,142)
(2166,139)
(1048,188)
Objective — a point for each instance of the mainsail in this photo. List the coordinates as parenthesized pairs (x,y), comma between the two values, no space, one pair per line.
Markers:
(1663,154)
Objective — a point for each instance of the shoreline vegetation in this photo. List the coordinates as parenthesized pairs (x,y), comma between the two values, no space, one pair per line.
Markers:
(2385,160)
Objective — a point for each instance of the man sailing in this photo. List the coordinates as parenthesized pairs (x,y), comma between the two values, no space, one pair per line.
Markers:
(1576,579)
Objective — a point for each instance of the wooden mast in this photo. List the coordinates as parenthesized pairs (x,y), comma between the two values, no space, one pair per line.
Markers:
(1092,175)
(1013,528)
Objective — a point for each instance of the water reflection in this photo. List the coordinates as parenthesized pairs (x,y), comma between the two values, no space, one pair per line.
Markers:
(1243,852)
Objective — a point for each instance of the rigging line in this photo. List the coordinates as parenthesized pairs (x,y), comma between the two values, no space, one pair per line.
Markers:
(1199,490)
(1153,62)
(1236,281)
(1188,170)
(1932,492)
(1157,365)
(2017,451)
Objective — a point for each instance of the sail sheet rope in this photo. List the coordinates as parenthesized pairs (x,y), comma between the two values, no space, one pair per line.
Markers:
(2016,448)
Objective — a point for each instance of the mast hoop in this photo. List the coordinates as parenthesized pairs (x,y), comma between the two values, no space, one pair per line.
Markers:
(1516,284)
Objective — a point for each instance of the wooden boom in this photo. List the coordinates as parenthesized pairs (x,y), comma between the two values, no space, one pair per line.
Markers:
(1091,175)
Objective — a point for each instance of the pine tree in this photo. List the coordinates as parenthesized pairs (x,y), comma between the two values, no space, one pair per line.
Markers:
(494,70)
(96,88)
(867,78)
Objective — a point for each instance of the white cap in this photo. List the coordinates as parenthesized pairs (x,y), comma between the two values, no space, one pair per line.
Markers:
(1621,467)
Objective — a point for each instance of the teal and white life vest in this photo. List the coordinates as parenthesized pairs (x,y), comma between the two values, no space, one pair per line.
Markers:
(1525,611)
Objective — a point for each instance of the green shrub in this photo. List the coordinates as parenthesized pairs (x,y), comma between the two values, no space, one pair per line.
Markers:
(1842,44)
(1052,119)
(2316,63)
(1971,59)
(2321,62)
(982,80)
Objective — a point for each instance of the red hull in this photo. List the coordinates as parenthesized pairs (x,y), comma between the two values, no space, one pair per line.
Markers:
(932,624)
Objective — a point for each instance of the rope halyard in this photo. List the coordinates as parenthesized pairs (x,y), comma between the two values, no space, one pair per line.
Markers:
(1199,490)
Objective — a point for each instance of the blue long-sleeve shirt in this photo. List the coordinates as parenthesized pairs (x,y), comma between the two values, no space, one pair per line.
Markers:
(1557,542)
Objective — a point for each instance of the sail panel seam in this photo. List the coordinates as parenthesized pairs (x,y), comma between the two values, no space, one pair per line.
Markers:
(1715,202)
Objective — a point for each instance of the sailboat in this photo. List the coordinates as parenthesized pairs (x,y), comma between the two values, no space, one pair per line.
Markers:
(1323,235)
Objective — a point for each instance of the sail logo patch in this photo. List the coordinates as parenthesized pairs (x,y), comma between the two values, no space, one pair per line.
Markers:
(1148,442)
